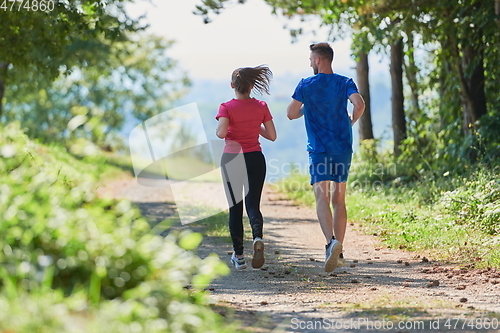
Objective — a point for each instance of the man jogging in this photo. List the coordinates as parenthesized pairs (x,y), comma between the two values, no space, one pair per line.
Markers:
(322,100)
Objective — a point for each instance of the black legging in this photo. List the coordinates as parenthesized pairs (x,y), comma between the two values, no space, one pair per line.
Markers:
(235,180)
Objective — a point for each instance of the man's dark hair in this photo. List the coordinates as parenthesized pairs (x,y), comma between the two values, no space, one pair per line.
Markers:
(323,50)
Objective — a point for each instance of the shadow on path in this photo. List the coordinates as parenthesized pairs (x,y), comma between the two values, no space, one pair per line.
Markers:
(293,293)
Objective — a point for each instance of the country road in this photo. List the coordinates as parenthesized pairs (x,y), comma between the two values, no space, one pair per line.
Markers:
(380,290)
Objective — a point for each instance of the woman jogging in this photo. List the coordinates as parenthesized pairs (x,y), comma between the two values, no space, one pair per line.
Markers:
(241,121)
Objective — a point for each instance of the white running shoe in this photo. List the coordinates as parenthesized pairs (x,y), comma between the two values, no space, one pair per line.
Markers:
(341,262)
(239,263)
(333,251)
(258,253)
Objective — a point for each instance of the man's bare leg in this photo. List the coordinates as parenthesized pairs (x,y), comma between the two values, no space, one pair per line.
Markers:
(323,210)
(340,211)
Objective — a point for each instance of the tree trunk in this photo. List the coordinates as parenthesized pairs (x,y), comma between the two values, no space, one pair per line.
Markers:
(411,74)
(398,112)
(442,91)
(362,73)
(449,105)
(472,86)
(3,78)
(473,56)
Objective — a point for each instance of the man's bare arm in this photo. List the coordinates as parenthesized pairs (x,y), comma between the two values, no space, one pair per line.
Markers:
(294,110)
(359,107)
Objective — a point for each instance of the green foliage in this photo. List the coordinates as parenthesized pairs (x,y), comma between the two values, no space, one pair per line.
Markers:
(133,79)
(158,312)
(433,152)
(454,216)
(488,136)
(73,256)
(106,72)
(297,187)
(369,166)
(42,42)
(458,38)
(476,203)
(407,224)
(216,225)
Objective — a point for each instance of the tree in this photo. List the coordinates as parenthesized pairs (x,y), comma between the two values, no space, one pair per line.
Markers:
(46,43)
(464,37)
(463,30)
(497,10)
(398,113)
(362,75)
(411,71)
(338,16)
(466,49)
(361,46)
(134,78)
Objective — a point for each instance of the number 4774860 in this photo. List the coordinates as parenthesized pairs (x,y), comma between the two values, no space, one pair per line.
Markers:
(27,5)
(472,323)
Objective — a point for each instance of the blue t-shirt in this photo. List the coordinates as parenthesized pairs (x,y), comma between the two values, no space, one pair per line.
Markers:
(327,121)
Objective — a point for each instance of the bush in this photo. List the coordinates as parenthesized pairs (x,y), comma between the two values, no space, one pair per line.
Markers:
(58,241)
(452,213)
(476,203)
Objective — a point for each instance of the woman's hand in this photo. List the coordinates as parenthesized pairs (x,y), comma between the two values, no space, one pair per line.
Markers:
(268,131)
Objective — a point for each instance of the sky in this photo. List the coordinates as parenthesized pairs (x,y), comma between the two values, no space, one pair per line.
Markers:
(241,36)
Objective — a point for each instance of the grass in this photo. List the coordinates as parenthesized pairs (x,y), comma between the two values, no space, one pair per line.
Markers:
(178,167)
(450,219)
(73,262)
(297,188)
(216,225)
(417,227)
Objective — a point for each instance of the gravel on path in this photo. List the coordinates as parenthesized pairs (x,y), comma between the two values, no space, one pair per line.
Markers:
(380,289)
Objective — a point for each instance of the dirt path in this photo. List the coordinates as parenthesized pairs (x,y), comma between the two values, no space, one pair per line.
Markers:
(380,290)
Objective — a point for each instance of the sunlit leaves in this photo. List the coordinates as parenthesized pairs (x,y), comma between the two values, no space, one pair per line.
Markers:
(58,238)
(190,240)
(134,78)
